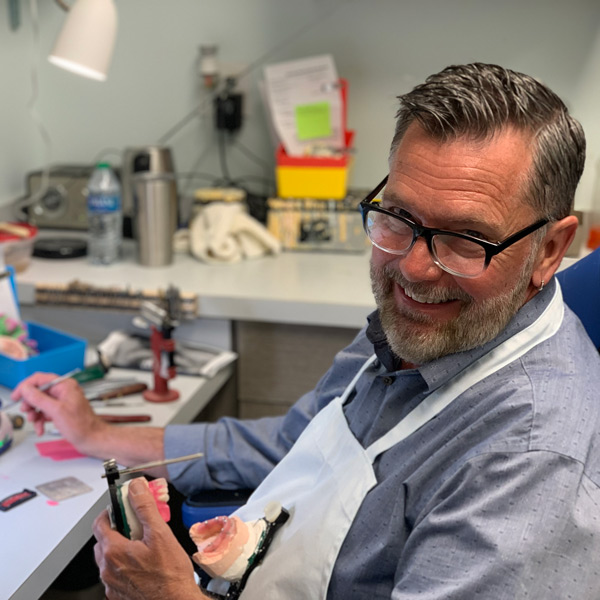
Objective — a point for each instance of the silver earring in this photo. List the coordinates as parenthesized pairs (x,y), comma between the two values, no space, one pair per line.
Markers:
(541,286)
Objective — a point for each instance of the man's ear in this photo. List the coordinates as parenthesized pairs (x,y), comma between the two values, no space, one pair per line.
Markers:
(553,249)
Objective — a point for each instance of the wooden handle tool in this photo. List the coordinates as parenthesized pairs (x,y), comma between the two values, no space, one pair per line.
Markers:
(126,418)
(126,390)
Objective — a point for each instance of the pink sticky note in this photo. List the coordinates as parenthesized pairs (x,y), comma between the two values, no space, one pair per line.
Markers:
(58,450)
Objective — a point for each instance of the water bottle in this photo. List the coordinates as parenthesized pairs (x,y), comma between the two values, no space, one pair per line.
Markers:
(104,216)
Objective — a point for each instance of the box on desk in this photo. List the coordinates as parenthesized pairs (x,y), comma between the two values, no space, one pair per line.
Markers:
(317,177)
(58,353)
(317,225)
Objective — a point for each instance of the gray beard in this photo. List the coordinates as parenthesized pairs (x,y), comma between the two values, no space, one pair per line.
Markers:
(417,338)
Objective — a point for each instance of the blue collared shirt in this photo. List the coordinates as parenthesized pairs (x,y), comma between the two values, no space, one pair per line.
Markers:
(497,498)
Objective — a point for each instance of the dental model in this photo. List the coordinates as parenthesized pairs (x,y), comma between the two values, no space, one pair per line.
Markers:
(228,546)
(132,526)
(14,338)
(13,348)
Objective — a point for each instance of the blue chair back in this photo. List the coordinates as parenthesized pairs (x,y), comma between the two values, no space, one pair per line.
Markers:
(580,285)
(212,503)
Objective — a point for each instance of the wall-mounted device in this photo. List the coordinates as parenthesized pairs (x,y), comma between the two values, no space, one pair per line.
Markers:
(64,204)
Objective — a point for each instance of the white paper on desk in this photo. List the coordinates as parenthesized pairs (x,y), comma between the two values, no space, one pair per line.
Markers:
(302,82)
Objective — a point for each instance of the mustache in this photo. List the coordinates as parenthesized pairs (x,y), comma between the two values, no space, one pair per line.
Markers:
(426,290)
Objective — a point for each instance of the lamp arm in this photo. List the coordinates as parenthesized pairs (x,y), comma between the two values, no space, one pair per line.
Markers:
(63,5)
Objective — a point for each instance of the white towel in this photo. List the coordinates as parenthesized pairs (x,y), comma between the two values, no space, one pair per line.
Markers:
(226,233)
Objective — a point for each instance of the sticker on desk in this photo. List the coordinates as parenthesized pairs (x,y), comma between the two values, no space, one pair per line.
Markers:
(64,488)
(58,450)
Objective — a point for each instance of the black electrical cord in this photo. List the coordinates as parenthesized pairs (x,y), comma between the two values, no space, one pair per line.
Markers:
(227,180)
(268,182)
(223,159)
(196,175)
(252,156)
(267,179)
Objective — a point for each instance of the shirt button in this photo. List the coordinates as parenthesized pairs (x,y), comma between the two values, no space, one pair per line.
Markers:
(388,380)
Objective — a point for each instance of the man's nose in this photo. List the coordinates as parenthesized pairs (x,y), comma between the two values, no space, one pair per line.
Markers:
(418,264)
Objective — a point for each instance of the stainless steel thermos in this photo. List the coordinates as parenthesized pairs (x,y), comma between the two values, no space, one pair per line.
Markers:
(150,197)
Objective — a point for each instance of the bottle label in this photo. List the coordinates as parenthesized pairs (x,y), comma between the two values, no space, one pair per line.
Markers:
(102,203)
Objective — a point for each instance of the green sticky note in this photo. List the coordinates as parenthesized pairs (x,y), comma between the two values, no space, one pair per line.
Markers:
(313,120)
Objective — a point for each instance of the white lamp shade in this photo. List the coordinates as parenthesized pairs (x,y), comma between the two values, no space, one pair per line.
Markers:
(85,43)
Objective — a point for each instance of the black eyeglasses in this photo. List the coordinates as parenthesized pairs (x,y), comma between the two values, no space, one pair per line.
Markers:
(459,254)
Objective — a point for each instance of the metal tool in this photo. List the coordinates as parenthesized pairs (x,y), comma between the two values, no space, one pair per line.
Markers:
(91,389)
(126,418)
(112,475)
(152,465)
(163,320)
(119,298)
(46,386)
(119,392)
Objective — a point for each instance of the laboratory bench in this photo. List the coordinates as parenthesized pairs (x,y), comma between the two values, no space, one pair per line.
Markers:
(286,316)
(331,289)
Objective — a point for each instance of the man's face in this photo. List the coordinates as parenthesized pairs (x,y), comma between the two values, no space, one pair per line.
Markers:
(464,186)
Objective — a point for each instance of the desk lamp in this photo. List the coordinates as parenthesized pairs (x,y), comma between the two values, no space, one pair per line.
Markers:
(85,43)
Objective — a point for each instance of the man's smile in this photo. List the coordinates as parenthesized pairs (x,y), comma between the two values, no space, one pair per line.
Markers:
(439,304)
(424,298)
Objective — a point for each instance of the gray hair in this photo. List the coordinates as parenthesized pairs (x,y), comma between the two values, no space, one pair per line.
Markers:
(478,100)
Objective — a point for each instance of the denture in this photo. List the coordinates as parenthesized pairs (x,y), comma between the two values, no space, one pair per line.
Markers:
(226,545)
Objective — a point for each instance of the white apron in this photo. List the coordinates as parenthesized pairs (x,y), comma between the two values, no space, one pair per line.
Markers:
(325,477)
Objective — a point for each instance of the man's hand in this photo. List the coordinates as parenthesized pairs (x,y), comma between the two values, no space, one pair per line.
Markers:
(153,568)
(64,404)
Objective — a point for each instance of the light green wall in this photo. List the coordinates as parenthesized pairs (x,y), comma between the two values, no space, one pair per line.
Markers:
(383,47)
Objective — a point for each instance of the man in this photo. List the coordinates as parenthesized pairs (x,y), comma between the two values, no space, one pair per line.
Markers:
(462,459)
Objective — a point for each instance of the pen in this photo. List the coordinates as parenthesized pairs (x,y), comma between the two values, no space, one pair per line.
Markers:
(47,386)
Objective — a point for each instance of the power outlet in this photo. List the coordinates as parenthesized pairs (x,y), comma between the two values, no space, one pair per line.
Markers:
(228,111)
(242,85)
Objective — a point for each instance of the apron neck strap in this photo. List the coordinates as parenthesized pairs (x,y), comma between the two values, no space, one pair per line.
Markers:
(350,387)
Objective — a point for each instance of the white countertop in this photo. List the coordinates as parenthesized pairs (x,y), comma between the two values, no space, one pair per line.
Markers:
(309,288)
(303,288)
(40,538)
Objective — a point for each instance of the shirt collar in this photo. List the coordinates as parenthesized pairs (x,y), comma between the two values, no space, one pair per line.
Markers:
(441,370)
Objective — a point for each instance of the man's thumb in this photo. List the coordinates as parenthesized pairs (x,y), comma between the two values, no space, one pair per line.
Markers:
(142,501)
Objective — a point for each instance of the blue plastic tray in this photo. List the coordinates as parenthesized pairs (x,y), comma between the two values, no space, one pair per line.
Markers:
(58,353)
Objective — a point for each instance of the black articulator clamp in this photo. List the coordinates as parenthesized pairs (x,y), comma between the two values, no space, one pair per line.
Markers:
(112,475)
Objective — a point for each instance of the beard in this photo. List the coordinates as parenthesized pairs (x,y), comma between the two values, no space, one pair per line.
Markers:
(418,338)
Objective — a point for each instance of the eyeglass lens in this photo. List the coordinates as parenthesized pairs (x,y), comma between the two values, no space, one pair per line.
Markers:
(457,255)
